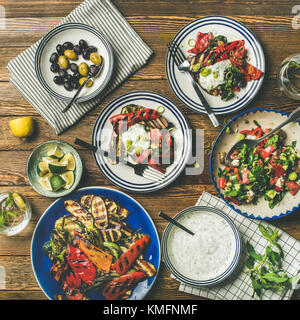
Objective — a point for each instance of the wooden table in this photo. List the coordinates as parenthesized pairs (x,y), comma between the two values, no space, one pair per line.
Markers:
(156,21)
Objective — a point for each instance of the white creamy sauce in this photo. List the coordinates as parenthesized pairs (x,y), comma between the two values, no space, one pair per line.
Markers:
(215,76)
(136,139)
(208,253)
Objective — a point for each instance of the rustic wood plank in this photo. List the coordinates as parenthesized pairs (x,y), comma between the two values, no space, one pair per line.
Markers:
(12,103)
(157,21)
(31,8)
(23,32)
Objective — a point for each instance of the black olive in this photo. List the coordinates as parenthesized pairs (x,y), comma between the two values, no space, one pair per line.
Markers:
(58,80)
(94,69)
(92,49)
(86,54)
(68,86)
(60,50)
(54,67)
(77,76)
(68,45)
(73,67)
(62,73)
(53,57)
(76,84)
(70,78)
(77,49)
(83,44)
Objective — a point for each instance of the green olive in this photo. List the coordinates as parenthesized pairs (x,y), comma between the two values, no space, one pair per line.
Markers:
(88,84)
(83,69)
(70,54)
(95,58)
(63,62)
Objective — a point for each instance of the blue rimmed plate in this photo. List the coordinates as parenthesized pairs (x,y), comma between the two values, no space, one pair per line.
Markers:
(233,30)
(73,32)
(138,219)
(267,118)
(229,266)
(123,176)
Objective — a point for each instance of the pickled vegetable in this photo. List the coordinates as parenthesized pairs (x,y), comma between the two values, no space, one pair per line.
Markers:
(83,69)
(63,62)
(88,84)
(70,54)
(95,58)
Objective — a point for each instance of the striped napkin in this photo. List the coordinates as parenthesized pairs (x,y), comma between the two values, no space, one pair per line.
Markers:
(238,286)
(130,52)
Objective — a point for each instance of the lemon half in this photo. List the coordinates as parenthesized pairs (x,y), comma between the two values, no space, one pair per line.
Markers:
(22,127)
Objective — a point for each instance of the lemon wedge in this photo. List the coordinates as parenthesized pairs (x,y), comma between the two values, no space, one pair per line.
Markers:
(19,201)
(57,182)
(50,160)
(22,127)
(68,177)
(55,152)
(57,168)
(69,161)
(42,168)
(45,181)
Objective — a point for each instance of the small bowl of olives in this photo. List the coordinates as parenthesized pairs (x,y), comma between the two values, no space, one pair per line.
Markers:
(68,55)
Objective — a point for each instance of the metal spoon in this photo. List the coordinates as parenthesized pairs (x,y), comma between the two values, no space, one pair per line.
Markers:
(177,224)
(294,116)
(80,88)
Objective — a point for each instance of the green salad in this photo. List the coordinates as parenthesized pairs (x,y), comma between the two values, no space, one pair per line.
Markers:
(269,170)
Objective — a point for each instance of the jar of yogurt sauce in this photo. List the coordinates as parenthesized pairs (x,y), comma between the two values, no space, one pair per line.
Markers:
(210,251)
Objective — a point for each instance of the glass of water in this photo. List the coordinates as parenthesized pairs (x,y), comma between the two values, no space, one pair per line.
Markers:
(15,213)
(288,76)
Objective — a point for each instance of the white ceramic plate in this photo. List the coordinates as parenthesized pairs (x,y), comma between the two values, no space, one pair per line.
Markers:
(267,119)
(233,30)
(124,176)
(73,32)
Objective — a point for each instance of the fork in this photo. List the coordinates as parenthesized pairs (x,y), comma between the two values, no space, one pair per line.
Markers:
(143,170)
(184,66)
(251,143)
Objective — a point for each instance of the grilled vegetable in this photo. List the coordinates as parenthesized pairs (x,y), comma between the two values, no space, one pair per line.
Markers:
(130,119)
(124,228)
(112,207)
(58,245)
(118,287)
(57,271)
(111,235)
(123,213)
(99,213)
(146,267)
(86,201)
(123,264)
(113,248)
(80,264)
(79,212)
(100,258)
